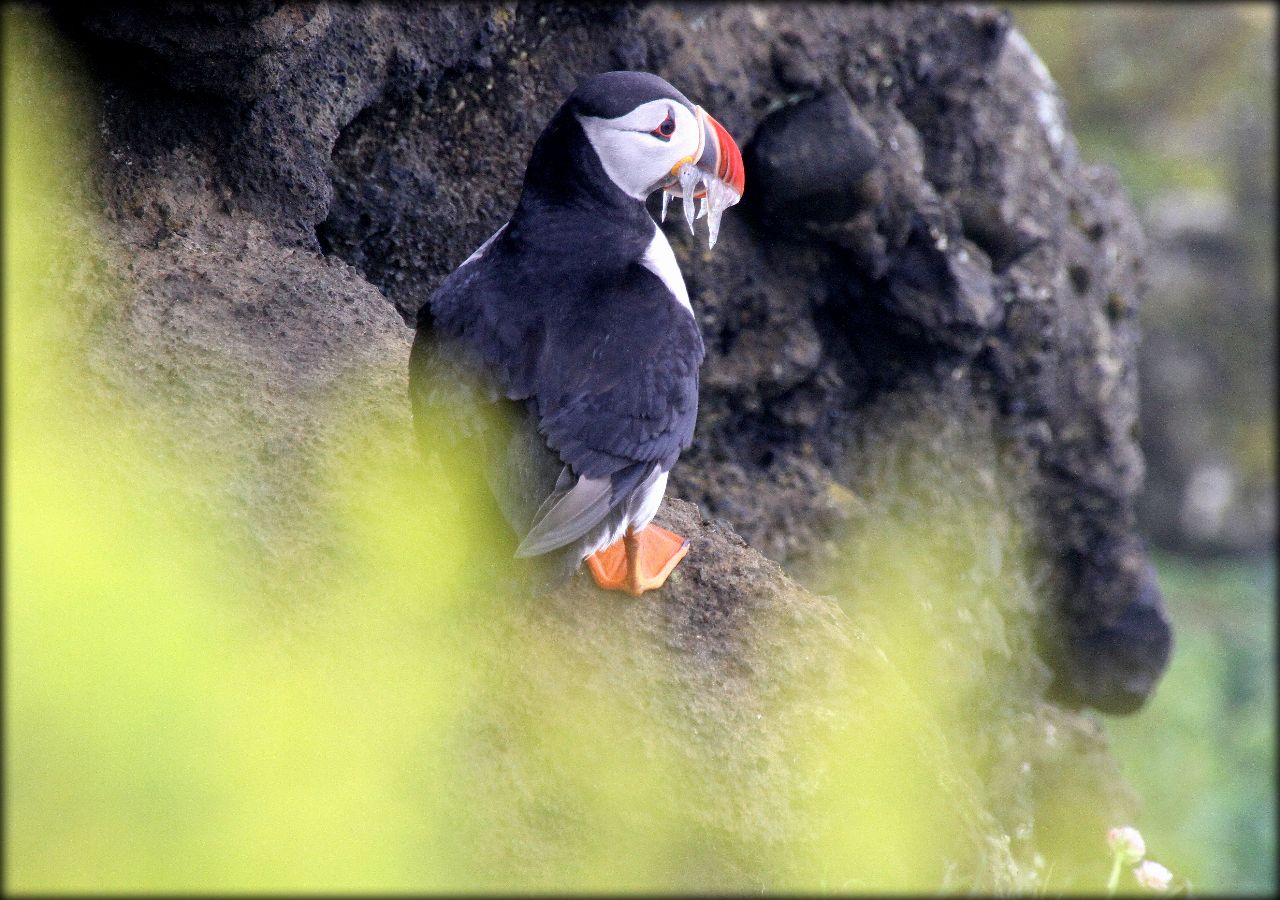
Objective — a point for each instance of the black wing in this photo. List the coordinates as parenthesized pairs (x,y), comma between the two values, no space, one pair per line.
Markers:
(617,379)
(607,361)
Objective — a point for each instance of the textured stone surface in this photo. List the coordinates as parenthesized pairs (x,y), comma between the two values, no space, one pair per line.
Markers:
(796,176)
(733,676)
(288,184)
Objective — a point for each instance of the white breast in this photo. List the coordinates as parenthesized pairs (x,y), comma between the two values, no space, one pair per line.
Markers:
(659,260)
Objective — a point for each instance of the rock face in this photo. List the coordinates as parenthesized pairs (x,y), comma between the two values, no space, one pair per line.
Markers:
(921,217)
(919,255)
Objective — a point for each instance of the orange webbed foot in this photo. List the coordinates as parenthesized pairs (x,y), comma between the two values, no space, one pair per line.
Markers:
(640,561)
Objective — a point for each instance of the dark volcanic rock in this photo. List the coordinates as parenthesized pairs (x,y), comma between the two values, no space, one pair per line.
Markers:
(943,296)
(809,159)
(919,244)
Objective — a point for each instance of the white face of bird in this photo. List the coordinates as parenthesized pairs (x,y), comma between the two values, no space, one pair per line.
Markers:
(663,144)
(643,150)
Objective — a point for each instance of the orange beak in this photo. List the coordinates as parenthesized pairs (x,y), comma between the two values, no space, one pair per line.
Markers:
(721,156)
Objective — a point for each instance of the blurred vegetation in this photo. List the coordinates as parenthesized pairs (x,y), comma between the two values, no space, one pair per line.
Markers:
(1179,98)
(1148,85)
(160,733)
(1202,754)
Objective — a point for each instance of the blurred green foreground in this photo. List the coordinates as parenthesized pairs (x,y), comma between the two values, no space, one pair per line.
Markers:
(162,732)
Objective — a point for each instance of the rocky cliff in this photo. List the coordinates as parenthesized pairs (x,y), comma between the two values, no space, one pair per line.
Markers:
(921,331)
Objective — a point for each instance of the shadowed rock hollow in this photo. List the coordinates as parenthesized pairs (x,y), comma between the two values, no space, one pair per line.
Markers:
(923,311)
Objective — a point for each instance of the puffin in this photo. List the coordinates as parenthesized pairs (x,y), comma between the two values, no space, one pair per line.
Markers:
(573,321)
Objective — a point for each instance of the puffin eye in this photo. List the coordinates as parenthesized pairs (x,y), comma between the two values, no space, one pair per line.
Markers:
(664,131)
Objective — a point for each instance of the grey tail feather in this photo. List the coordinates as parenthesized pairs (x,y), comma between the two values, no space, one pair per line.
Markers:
(564,482)
(567,515)
(576,506)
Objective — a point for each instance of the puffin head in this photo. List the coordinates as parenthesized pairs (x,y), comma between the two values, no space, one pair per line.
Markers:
(644,132)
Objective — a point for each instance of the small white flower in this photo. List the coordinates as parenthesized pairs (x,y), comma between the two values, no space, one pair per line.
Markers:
(1128,844)
(1153,876)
